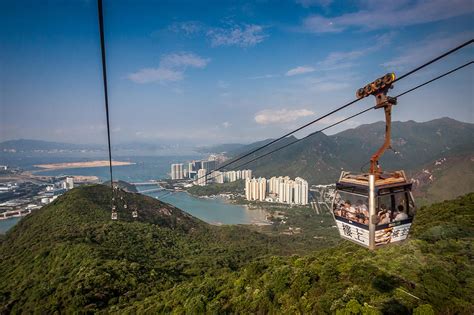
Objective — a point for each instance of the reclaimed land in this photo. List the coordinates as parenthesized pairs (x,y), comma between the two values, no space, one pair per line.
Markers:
(102,163)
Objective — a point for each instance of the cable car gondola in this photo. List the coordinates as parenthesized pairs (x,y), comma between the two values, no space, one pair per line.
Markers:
(135,213)
(375,208)
(114,215)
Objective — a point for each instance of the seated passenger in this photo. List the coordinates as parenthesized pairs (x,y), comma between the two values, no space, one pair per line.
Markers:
(384,218)
(351,212)
(400,214)
(362,208)
(384,215)
(361,218)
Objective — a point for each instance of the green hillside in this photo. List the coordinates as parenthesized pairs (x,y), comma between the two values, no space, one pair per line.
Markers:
(70,257)
(444,179)
(431,273)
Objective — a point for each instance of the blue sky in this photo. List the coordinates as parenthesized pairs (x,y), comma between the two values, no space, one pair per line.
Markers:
(213,72)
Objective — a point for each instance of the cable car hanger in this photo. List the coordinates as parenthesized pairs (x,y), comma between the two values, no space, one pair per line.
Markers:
(379,88)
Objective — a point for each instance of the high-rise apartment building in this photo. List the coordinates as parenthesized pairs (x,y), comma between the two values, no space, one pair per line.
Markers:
(256,189)
(177,171)
(303,189)
(218,177)
(209,165)
(202,177)
(280,189)
(69,182)
(246,174)
(262,189)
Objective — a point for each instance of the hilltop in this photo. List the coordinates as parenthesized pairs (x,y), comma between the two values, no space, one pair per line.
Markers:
(69,256)
(122,185)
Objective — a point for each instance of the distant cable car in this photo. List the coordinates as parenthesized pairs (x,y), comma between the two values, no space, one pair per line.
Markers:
(135,213)
(375,208)
(114,213)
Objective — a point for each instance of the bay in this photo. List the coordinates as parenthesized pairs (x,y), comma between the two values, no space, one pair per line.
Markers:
(211,210)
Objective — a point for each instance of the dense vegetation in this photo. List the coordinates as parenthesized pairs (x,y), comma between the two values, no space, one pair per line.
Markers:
(69,256)
(215,189)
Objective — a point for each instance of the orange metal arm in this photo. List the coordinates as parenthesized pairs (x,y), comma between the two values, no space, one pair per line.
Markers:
(374,160)
(379,89)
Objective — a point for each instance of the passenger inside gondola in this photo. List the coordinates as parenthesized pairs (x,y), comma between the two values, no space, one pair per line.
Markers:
(400,214)
(400,208)
(384,215)
(351,207)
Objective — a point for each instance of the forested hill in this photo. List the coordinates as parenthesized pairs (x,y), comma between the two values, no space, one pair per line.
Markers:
(69,257)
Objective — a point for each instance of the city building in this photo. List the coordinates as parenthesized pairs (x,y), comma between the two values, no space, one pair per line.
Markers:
(69,182)
(177,171)
(277,189)
(209,165)
(192,174)
(262,189)
(301,191)
(201,177)
(218,177)
(255,189)
(246,174)
(230,176)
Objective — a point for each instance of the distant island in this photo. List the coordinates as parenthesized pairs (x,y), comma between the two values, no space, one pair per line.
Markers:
(102,163)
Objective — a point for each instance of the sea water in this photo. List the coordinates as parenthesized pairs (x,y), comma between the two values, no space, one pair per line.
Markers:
(213,210)
(210,210)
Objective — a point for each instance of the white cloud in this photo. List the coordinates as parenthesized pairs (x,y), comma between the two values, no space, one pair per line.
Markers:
(226,124)
(246,35)
(388,14)
(171,68)
(232,34)
(299,70)
(270,116)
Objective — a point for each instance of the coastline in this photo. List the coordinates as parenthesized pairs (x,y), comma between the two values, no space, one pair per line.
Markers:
(253,221)
(88,164)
